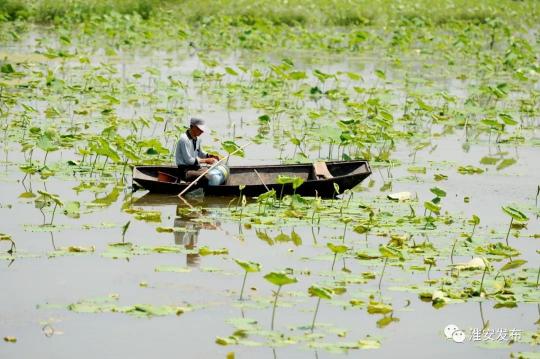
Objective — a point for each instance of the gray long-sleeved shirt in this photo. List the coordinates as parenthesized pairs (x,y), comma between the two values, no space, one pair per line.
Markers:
(187,152)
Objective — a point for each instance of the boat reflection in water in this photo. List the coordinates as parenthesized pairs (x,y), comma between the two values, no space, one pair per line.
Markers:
(189,235)
(192,215)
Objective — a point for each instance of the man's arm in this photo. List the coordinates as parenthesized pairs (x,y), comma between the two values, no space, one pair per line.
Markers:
(200,152)
(203,156)
(183,154)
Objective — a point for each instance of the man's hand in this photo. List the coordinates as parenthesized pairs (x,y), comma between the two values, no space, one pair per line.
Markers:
(213,159)
(209,160)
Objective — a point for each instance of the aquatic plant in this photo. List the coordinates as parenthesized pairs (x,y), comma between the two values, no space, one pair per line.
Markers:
(320,293)
(47,199)
(279,279)
(124,230)
(514,214)
(7,238)
(247,266)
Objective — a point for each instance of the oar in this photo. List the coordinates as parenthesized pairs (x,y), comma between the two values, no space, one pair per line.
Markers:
(211,167)
(260,178)
(186,202)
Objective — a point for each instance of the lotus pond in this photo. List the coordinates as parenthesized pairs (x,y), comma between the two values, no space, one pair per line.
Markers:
(443,101)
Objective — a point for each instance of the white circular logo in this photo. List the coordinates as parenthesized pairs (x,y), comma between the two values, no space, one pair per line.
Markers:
(449,330)
(458,336)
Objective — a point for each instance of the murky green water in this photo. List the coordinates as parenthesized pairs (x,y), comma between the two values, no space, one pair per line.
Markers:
(43,278)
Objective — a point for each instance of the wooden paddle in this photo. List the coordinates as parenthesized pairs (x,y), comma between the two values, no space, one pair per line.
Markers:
(260,178)
(211,167)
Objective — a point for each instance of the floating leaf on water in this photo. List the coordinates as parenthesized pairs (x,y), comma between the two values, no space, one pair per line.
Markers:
(438,192)
(282,237)
(345,347)
(249,266)
(149,310)
(166,249)
(440,177)
(231,71)
(5,237)
(356,302)
(27,195)
(339,290)
(489,161)
(337,248)
(525,355)
(226,341)
(79,249)
(378,308)
(109,198)
(380,74)
(430,261)
(470,170)
(8,338)
(505,304)
(264,236)
(280,278)
(439,298)
(48,141)
(400,196)
(294,214)
(321,292)
(475,263)
(264,118)
(49,196)
(7,68)
(430,206)
(515,214)
(172,269)
(513,264)
(297,75)
(206,251)
(491,123)
(368,275)
(498,249)
(295,238)
(109,305)
(507,119)
(390,252)
(366,255)
(361,229)
(72,249)
(385,321)
(474,220)
(506,163)
(417,169)
(141,214)
(72,209)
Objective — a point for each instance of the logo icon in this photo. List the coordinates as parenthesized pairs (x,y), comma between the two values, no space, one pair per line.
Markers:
(451,331)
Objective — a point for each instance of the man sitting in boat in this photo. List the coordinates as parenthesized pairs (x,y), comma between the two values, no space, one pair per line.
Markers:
(189,155)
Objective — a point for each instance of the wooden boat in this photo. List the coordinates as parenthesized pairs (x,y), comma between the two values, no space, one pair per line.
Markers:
(319,178)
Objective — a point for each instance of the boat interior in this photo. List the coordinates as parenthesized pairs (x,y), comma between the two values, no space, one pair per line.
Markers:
(266,174)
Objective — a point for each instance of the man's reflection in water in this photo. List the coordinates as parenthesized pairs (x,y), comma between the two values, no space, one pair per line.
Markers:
(188,237)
